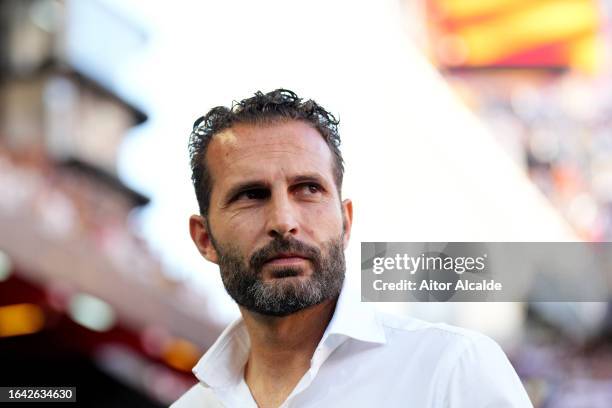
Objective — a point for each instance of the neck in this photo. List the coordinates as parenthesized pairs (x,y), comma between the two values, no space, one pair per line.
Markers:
(281,347)
(297,331)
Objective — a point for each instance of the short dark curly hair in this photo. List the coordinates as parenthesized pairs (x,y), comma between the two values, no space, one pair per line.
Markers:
(260,109)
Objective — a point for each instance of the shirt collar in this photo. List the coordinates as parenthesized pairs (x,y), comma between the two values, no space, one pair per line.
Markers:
(223,363)
(354,319)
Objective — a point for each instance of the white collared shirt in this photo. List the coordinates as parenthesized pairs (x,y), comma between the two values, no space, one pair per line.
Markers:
(370,359)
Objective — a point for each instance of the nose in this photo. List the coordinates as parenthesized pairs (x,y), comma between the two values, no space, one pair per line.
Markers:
(282,217)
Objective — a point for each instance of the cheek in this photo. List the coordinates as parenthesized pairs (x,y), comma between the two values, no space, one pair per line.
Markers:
(243,229)
(324,222)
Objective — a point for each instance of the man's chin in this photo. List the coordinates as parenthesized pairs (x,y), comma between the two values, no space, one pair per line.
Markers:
(285,279)
(283,296)
(288,288)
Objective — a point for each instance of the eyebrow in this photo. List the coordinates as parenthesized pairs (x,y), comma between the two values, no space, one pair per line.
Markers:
(256,184)
(307,177)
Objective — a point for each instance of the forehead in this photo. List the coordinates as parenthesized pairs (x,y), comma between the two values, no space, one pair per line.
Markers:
(248,150)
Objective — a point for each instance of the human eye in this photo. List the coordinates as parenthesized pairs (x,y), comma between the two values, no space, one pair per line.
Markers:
(252,194)
(309,189)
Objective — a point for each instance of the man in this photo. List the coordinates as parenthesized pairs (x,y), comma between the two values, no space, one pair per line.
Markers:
(268,176)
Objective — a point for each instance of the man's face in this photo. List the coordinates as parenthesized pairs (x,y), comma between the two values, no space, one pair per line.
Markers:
(276,225)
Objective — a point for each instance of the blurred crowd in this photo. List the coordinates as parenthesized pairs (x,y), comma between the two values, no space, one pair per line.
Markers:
(557,126)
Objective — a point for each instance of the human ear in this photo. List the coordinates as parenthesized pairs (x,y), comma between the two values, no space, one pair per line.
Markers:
(200,234)
(347,216)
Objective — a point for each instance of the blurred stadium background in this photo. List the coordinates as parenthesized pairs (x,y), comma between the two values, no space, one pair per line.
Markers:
(462,120)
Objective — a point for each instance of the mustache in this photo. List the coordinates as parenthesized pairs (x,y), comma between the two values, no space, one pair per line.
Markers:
(280,245)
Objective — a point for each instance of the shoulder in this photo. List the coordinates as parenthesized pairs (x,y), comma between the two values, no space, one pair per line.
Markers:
(472,369)
(401,329)
(197,396)
(442,344)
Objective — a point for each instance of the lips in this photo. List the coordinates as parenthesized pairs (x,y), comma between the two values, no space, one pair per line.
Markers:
(285,253)
(286,258)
